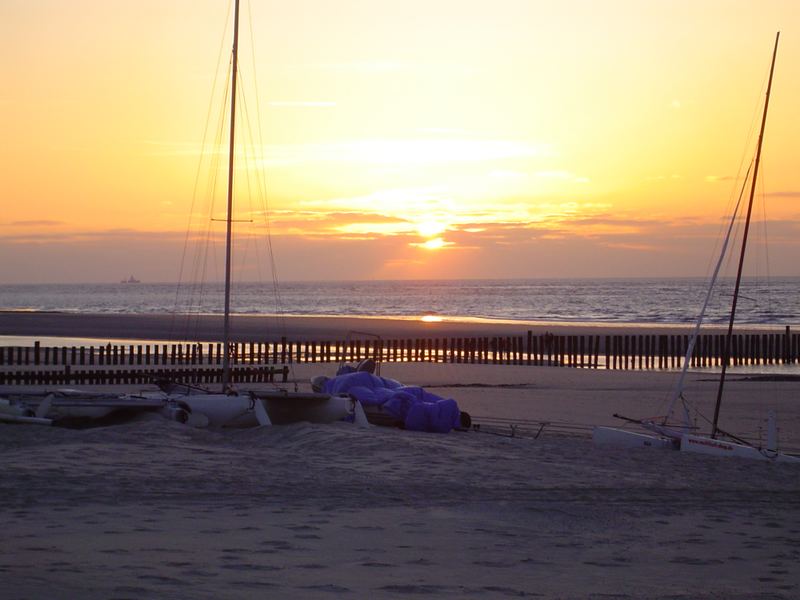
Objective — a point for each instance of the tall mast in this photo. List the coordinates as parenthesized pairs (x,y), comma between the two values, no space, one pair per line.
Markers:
(227,325)
(727,354)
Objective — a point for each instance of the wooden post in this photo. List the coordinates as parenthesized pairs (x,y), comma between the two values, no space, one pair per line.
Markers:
(773,348)
(626,342)
(530,347)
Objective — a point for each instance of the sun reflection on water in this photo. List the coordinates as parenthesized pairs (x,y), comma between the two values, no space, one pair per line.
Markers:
(431,319)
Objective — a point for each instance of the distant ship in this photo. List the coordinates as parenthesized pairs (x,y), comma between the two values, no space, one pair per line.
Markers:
(130,279)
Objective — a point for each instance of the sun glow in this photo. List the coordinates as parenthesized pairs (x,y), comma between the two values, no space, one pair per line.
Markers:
(430,229)
(375,143)
(431,319)
(434,244)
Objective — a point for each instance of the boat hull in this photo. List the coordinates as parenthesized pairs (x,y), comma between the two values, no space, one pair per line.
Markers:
(223,410)
(621,438)
(706,445)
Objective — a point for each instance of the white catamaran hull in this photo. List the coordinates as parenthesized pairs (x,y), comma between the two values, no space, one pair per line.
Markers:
(706,445)
(223,410)
(621,438)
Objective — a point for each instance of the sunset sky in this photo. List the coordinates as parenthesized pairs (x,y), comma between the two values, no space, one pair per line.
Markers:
(395,138)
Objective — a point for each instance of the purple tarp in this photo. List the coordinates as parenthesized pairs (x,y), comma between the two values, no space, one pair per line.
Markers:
(416,408)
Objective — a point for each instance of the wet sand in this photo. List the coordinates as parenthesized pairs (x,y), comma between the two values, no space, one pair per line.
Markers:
(262,328)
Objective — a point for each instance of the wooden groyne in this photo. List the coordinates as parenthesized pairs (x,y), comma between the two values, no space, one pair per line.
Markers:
(628,351)
(199,374)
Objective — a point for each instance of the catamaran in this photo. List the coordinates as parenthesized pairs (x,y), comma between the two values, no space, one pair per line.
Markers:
(187,403)
(665,432)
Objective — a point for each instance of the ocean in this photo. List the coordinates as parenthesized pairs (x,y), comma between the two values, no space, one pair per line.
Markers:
(663,301)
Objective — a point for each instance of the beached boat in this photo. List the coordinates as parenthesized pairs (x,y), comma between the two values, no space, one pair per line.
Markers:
(232,407)
(187,403)
(664,432)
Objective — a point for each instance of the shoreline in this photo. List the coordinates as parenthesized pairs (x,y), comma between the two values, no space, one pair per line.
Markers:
(263,328)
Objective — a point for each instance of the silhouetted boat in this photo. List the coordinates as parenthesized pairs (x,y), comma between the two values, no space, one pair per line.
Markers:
(682,436)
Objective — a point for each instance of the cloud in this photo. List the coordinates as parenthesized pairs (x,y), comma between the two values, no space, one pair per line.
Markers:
(633,247)
(554,174)
(641,247)
(391,67)
(404,151)
(37,223)
(345,223)
(109,236)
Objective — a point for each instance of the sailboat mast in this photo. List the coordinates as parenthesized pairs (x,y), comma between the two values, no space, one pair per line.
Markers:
(727,354)
(228,236)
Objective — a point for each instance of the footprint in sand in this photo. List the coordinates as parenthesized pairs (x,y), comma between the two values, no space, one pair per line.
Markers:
(494,564)
(422,562)
(302,528)
(330,587)
(507,591)
(698,562)
(312,566)
(427,590)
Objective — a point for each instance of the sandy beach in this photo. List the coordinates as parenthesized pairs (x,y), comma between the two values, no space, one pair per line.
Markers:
(495,160)
(155,509)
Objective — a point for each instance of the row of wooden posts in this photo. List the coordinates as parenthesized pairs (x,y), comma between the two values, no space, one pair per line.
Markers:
(67,375)
(631,351)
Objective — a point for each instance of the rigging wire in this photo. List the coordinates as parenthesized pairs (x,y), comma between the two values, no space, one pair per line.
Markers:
(767,273)
(279,310)
(197,177)
(195,266)
(671,397)
(208,244)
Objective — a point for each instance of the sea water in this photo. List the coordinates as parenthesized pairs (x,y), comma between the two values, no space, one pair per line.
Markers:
(660,301)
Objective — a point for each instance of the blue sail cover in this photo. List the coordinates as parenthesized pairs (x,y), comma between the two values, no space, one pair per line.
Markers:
(416,408)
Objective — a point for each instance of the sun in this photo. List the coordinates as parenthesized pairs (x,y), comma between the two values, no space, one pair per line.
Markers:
(433,244)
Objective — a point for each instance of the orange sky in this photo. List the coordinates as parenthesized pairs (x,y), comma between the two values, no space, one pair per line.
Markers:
(395,139)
